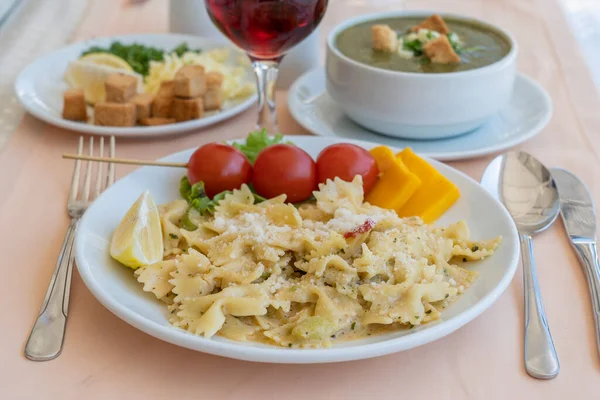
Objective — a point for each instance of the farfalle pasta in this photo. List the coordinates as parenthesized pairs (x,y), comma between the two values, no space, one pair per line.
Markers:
(336,269)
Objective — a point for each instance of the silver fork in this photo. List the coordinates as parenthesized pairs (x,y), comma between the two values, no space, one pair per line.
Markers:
(46,338)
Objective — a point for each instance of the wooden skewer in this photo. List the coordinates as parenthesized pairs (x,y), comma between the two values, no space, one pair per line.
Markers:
(124,161)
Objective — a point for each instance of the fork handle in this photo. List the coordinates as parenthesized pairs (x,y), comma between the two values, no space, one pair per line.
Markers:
(541,361)
(46,338)
(588,256)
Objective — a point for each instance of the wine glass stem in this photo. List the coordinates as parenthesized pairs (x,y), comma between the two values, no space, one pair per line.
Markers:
(266,77)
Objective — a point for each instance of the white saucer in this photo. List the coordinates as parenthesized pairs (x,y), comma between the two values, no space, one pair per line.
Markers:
(525,116)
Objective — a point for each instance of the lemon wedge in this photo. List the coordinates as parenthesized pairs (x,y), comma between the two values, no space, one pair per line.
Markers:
(90,77)
(107,59)
(138,239)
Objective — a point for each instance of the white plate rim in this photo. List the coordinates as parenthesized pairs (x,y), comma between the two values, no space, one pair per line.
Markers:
(296,108)
(239,351)
(24,90)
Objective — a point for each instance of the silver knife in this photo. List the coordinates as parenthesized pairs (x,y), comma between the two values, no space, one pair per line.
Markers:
(579,218)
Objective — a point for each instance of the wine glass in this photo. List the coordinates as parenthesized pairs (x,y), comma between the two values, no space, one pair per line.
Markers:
(266,30)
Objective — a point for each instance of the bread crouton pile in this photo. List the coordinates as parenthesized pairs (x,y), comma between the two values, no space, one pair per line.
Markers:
(186,97)
(438,49)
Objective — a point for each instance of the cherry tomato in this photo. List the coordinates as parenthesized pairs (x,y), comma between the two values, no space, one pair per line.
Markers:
(345,161)
(220,166)
(285,169)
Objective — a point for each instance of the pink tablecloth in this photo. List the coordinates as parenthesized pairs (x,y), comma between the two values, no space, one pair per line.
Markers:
(106,358)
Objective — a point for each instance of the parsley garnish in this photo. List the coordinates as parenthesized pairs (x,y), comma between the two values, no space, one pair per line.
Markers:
(415,46)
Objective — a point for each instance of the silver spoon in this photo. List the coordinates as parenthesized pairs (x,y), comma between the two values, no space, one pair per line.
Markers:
(527,190)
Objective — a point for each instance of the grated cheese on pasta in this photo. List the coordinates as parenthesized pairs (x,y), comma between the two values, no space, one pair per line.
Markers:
(287,276)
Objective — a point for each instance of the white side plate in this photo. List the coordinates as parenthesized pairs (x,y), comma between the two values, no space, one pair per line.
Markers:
(40,86)
(116,288)
(528,112)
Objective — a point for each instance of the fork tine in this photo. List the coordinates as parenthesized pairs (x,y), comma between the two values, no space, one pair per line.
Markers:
(99,171)
(76,169)
(110,179)
(88,174)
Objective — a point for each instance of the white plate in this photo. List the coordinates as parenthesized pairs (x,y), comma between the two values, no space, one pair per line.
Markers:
(116,288)
(525,116)
(40,86)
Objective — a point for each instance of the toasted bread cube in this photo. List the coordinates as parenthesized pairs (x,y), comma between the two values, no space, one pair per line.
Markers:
(74,107)
(143,105)
(162,107)
(384,38)
(153,121)
(120,88)
(167,89)
(212,100)
(214,80)
(114,114)
(190,81)
(187,109)
(440,51)
(433,23)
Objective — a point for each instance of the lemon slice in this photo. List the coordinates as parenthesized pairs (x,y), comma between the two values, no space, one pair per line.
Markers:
(90,77)
(138,239)
(107,59)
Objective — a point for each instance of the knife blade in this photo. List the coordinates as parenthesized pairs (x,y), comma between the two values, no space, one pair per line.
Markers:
(579,218)
(576,205)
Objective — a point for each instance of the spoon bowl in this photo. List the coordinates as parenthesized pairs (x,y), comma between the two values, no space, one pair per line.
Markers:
(526,188)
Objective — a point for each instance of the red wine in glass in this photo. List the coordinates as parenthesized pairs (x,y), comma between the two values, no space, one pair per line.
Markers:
(266,30)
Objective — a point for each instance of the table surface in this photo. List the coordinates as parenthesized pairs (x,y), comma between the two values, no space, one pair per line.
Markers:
(104,357)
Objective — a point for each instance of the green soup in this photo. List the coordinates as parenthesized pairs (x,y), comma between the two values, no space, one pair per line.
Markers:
(481,46)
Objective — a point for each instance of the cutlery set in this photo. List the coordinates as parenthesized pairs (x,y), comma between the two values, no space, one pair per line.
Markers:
(534,196)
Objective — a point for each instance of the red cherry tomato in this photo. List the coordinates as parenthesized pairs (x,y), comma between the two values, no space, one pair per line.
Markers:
(345,161)
(285,169)
(220,166)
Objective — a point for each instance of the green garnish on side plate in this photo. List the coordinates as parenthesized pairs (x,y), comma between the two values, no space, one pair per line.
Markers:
(138,55)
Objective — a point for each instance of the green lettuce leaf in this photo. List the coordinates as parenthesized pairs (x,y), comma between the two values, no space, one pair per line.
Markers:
(256,142)
(197,198)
